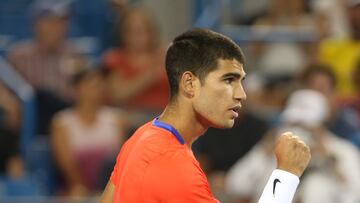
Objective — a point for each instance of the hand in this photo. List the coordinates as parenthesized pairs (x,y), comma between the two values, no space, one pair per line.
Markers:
(78,191)
(292,154)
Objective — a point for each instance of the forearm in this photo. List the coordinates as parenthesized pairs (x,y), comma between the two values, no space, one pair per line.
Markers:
(280,188)
(124,89)
(63,156)
(108,194)
(67,166)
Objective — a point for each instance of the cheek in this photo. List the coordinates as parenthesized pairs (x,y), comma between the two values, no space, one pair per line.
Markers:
(212,101)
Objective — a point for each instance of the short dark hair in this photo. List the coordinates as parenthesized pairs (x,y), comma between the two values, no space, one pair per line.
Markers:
(198,51)
(150,25)
(314,69)
(84,73)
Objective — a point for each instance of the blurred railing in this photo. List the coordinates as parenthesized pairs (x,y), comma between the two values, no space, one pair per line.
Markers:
(268,33)
(208,15)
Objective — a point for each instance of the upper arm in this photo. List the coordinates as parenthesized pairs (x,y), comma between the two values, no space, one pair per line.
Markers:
(108,194)
(121,124)
(59,139)
(58,135)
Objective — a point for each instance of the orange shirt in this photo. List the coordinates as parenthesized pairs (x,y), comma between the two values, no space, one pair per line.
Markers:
(155,165)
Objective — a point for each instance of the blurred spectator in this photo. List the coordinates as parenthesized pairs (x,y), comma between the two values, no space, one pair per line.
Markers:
(343,119)
(246,12)
(14,180)
(9,126)
(253,169)
(283,57)
(354,102)
(320,78)
(93,23)
(47,61)
(17,182)
(334,172)
(87,136)
(277,62)
(267,94)
(331,18)
(223,147)
(288,13)
(119,5)
(138,79)
(218,149)
(118,8)
(342,54)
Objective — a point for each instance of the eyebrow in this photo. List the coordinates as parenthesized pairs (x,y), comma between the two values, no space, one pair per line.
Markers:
(235,75)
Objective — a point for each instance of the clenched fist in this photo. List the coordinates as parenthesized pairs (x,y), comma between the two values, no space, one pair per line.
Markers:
(292,154)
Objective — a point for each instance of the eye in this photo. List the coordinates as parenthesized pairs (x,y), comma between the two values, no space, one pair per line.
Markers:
(228,80)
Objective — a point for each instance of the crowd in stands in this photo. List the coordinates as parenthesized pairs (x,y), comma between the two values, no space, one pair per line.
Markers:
(88,102)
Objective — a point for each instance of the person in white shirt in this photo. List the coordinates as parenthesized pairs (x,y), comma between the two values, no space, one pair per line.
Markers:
(334,172)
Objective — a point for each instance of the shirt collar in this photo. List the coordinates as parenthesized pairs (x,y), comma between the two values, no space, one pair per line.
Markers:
(169,128)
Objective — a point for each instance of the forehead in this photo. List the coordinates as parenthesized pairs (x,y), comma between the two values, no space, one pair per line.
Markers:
(225,66)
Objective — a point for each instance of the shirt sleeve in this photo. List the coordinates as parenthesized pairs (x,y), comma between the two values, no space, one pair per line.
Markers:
(280,188)
(115,173)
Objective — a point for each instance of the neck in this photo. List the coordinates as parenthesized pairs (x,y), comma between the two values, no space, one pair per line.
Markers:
(138,50)
(184,120)
(43,47)
(87,111)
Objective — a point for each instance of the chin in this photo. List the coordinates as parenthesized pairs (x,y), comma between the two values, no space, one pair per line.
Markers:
(225,124)
(230,124)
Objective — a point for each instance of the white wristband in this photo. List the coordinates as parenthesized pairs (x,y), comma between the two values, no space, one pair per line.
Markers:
(280,188)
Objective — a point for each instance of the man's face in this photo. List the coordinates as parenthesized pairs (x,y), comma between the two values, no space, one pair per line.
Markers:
(91,88)
(137,32)
(354,18)
(218,100)
(50,31)
(322,83)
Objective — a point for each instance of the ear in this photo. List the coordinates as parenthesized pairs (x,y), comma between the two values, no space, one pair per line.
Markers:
(188,84)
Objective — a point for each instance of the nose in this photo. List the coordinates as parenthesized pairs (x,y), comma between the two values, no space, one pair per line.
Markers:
(239,93)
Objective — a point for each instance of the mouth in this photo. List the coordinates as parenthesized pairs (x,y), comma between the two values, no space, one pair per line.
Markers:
(235,110)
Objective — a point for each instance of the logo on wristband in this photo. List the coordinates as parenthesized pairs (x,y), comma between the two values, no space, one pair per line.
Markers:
(274,185)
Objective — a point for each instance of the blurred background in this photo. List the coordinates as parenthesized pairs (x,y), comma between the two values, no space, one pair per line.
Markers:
(77,77)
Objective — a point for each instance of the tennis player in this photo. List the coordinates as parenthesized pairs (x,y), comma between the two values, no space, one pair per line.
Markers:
(205,73)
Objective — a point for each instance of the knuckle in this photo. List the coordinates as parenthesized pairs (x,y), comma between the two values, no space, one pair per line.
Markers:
(301,142)
(288,133)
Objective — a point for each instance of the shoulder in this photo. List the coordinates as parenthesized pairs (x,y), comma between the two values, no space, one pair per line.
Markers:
(63,116)
(110,112)
(341,147)
(148,142)
(22,48)
(332,44)
(147,146)
(62,121)
(175,175)
(156,140)
(71,48)
(176,162)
